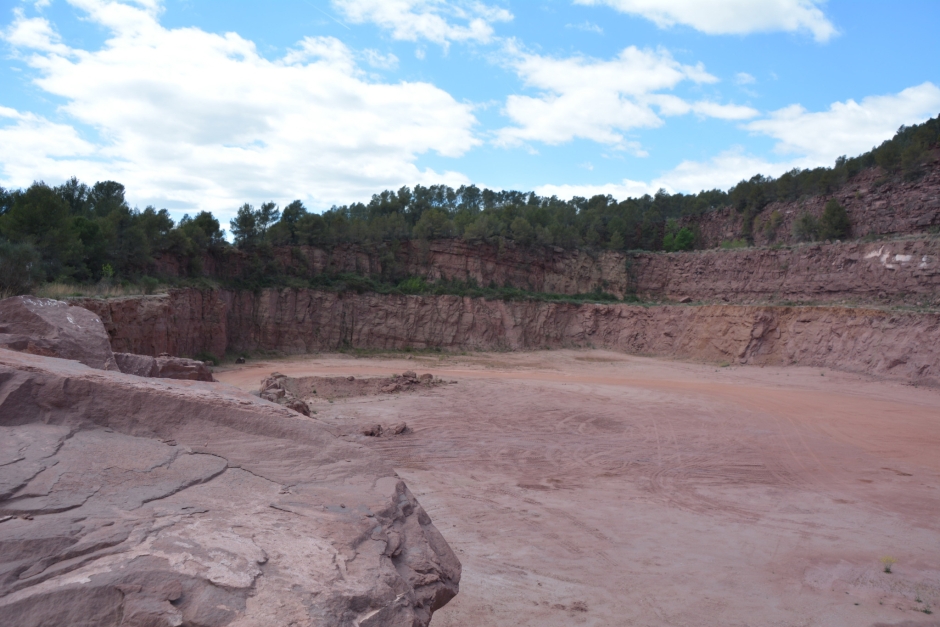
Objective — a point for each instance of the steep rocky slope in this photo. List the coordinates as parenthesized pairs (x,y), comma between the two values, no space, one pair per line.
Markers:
(145,502)
(877,204)
(905,270)
(887,343)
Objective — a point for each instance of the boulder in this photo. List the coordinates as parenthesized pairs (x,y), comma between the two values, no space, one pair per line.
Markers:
(137,365)
(163,367)
(125,500)
(297,405)
(182,368)
(42,326)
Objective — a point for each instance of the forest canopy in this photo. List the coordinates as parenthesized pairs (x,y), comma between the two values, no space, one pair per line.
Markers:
(83,233)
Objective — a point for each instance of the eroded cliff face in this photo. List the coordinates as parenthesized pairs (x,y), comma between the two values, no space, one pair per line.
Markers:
(294,321)
(876,205)
(898,271)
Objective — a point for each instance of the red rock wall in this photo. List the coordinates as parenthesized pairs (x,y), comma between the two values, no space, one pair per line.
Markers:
(898,271)
(876,206)
(885,343)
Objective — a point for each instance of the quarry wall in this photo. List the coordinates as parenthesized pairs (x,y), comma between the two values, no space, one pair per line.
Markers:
(897,271)
(899,345)
(876,205)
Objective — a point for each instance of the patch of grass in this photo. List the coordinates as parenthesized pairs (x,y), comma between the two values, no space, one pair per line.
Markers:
(733,244)
(104,289)
(417,286)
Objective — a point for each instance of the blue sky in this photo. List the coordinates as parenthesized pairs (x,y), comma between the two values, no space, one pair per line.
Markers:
(209,104)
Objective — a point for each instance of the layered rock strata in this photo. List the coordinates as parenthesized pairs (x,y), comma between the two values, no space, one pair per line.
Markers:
(875,203)
(898,271)
(147,502)
(894,344)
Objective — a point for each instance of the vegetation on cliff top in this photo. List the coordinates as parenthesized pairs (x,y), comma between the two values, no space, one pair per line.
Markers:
(86,234)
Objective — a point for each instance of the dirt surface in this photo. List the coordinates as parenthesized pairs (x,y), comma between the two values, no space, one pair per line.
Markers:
(594,488)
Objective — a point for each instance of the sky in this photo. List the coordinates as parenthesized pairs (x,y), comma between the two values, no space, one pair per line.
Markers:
(208,104)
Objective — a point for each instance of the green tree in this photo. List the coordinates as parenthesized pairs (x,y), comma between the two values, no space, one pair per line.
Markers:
(834,223)
(244,227)
(433,224)
(806,228)
(19,268)
(522,231)
(685,239)
(41,217)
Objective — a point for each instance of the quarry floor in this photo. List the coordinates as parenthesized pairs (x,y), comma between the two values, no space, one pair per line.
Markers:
(595,488)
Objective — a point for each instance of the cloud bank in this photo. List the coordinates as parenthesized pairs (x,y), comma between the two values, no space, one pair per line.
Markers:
(189,119)
(730,17)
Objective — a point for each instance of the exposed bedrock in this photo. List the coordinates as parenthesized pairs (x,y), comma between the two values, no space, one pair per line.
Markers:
(894,344)
(149,502)
(42,326)
(897,271)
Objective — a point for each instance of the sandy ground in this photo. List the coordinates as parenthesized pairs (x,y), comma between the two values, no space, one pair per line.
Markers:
(594,488)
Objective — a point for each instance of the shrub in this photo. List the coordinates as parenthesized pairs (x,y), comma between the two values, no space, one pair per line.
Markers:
(834,223)
(149,284)
(888,561)
(19,268)
(806,228)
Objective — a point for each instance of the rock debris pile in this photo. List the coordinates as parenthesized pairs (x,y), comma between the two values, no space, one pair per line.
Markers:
(272,389)
(408,380)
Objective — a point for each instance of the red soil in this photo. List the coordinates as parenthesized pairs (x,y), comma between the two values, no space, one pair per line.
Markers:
(594,488)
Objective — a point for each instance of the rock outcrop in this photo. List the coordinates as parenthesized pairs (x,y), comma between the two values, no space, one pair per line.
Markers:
(42,326)
(876,204)
(145,502)
(887,343)
(903,271)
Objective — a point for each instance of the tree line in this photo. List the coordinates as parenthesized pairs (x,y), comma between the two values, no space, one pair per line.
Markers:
(80,233)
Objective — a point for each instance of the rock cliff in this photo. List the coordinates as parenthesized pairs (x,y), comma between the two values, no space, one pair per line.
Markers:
(876,205)
(293,321)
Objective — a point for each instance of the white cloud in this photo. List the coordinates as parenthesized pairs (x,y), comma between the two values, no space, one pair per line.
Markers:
(600,100)
(34,33)
(587,27)
(439,21)
(809,140)
(380,61)
(846,128)
(689,177)
(191,119)
(620,191)
(730,17)
(743,78)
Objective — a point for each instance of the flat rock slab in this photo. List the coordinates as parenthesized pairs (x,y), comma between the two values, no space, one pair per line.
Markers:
(129,501)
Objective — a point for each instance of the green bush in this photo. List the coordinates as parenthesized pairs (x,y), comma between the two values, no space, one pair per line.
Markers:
(806,228)
(834,223)
(20,268)
(150,284)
